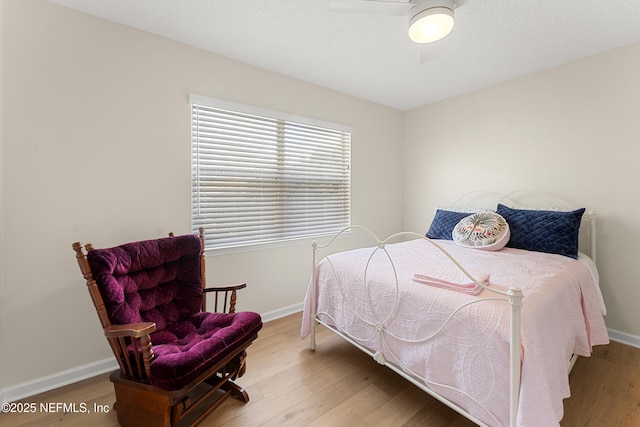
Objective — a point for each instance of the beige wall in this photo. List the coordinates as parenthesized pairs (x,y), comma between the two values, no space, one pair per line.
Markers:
(97,148)
(572,131)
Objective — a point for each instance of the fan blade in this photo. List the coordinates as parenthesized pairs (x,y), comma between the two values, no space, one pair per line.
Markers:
(372,7)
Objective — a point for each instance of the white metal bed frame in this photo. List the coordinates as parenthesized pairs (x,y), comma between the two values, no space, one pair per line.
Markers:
(513,296)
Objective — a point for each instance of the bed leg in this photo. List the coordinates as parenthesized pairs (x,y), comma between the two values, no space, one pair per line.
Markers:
(572,361)
(312,341)
(314,276)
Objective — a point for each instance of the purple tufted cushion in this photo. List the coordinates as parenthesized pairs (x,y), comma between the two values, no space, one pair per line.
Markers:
(185,349)
(151,281)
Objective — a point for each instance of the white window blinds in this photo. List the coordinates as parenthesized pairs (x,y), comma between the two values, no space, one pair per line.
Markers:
(260,177)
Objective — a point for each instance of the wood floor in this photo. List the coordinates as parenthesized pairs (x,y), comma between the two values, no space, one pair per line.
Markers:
(337,385)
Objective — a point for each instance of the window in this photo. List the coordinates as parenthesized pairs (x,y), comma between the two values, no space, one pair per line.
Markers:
(261,177)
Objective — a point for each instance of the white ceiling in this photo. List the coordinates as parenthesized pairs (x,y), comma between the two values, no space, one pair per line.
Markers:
(370,55)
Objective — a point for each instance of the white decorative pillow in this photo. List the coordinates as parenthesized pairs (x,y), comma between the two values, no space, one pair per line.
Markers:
(488,231)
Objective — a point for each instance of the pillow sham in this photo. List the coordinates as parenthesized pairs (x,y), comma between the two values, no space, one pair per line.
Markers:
(554,232)
(488,231)
(443,224)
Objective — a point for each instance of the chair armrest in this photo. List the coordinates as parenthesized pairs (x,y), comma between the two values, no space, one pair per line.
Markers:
(226,288)
(224,298)
(115,335)
(134,330)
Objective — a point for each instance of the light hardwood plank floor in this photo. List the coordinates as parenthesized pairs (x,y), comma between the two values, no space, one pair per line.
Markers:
(337,385)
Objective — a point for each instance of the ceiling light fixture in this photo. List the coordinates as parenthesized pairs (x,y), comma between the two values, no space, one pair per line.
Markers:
(430,20)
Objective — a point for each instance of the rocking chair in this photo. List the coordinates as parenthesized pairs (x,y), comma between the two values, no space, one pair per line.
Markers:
(150,297)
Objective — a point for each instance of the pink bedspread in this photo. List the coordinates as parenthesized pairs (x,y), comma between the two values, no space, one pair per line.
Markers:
(561,315)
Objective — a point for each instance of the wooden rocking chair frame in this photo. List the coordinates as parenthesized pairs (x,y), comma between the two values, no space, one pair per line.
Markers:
(140,403)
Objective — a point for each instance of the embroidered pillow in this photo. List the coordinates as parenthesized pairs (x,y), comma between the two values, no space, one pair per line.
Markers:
(554,232)
(443,223)
(488,231)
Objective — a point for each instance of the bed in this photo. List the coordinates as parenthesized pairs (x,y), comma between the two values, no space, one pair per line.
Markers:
(488,326)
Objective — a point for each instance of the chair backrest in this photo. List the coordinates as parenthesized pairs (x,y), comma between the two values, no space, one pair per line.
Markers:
(158,281)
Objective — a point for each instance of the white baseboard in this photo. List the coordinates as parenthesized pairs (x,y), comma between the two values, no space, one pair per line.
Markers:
(59,379)
(282,312)
(624,338)
(70,376)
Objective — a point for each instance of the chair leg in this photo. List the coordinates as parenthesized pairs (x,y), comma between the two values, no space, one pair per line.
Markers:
(236,391)
(239,365)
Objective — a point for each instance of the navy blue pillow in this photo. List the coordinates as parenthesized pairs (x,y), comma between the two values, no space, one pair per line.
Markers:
(443,224)
(551,232)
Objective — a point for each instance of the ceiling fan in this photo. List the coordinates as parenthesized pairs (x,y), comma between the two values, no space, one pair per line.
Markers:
(429,20)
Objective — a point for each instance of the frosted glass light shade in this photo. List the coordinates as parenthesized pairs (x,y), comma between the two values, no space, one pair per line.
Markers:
(431,25)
